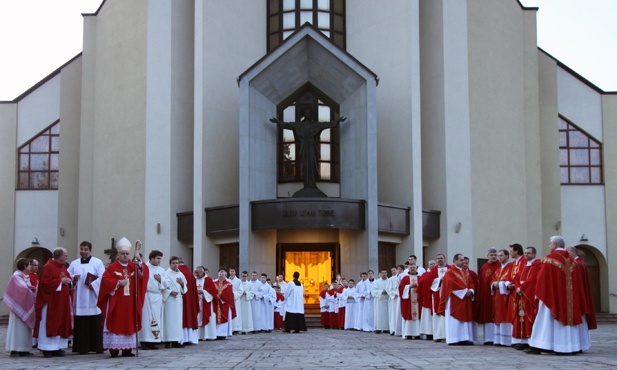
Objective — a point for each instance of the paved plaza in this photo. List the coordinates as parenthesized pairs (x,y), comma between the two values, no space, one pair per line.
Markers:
(331,349)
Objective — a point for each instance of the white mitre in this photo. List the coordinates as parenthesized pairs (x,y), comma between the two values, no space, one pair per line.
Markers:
(123,245)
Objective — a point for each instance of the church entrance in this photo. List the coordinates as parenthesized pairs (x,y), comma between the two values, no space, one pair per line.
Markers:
(317,264)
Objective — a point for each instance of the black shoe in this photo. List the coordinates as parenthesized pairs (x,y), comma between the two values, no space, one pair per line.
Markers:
(488,343)
(177,345)
(14,354)
(168,345)
(532,351)
(58,353)
(296,331)
(127,353)
(114,353)
(25,354)
(220,338)
(48,354)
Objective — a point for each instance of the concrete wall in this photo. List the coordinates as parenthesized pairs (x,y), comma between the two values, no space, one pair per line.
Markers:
(398,101)
(446,123)
(169,125)
(8,180)
(114,73)
(609,117)
(503,98)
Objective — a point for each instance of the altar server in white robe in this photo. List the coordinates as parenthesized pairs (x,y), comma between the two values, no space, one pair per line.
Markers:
(172,318)
(267,299)
(380,299)
(87,318)
(394,304)
(205,290)
(153,303)
(368,323)
(361,293)
(236,323)
(244,307)
(351,307)
(256,305)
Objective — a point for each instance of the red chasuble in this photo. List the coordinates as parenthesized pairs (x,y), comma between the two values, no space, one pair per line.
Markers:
(410,310)
(119,309)
(559,287)
(223,301)
(457,279)
(591,315)
(190,300)
(58,302)
(500,301)
(207,306)
(484,303)
(523,311)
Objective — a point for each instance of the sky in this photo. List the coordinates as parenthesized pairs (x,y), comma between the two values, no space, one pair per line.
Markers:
(38,36)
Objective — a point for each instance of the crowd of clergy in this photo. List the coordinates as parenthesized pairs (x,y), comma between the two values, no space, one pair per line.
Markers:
(132,303)
(534,305)
(520,301)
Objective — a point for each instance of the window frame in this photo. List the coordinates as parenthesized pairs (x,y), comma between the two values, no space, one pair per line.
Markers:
(51,131)
(568,148)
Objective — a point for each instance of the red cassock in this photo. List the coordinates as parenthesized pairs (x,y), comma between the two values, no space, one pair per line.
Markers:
(500,301)
(278,319)
(424,292)
(190,300)
(207,306)
(406,303)
(119,310)
(559,286)
(341,310)
(332,316)
(592,323)
(525,306)
(457,279)
(434,274)
(483,303)
(223,301)
(34,279)
(58,302)
(325,318)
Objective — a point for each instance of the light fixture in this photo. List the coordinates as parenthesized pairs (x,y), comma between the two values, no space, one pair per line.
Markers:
(457,227)
(557,225)
(584,238)
(35,241)
(61,231)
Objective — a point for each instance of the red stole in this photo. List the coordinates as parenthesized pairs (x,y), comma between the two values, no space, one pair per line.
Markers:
(484,303)
(190,301)
(424,291)
(207,306)
(559,287)
(58,302)
(119,310)
(223,301)
(410,309)
(500,301)
(457,279)
(524,308)
(434,274)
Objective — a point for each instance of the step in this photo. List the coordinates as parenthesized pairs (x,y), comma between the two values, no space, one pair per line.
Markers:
(604,317)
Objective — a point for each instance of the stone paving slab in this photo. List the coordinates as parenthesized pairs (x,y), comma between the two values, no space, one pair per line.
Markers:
(330,349)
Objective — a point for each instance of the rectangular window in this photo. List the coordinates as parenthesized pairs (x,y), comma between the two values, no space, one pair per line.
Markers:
(580,155)
(38,160)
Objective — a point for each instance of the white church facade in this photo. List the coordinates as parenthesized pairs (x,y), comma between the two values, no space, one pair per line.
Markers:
(459,134)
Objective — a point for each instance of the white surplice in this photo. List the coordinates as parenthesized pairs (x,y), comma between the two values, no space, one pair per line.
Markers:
(394,305)
(351,307)
(238,288)
(153,305)
(172,317)
(380,299)
(245,307)
(84,298)
(205,332)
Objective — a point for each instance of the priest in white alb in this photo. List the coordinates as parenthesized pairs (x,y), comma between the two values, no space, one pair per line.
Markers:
(394,304)
(244,307)
(172,320)
(238,289)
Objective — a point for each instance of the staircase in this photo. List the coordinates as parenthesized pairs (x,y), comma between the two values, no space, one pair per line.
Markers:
(606,318)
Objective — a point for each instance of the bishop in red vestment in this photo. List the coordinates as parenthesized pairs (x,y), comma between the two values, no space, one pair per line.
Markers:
(562,304)
(53,306)
(123,283)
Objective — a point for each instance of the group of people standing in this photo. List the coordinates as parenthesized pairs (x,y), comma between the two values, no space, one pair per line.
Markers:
(131,303)
(521,302)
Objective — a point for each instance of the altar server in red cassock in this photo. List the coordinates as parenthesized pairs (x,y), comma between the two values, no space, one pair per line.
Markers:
(53,306)
(122,284)
(456,303)
(562,304)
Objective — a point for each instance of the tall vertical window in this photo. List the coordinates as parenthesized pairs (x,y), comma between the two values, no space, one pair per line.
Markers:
(289,161)
(580,155)
(286,16)
(386,256)
(38,160)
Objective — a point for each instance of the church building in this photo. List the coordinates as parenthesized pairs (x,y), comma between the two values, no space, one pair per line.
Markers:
(318,136)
